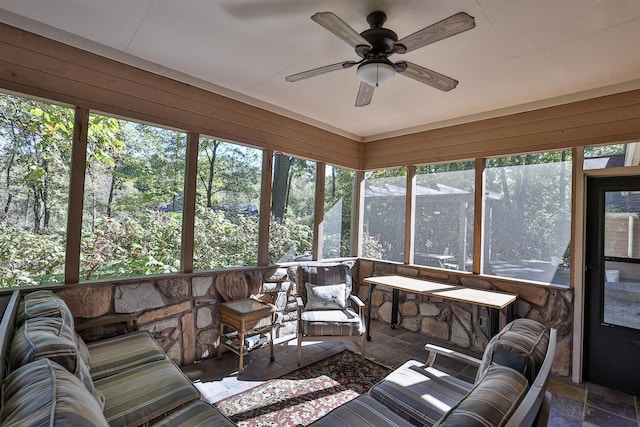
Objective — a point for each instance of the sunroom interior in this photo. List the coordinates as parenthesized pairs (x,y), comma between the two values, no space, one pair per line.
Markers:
(423,195)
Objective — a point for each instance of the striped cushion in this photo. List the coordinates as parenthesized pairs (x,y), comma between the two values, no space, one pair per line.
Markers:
(43,304)
(51,338)
(43,393)
(362,411)
(120,353)
(195,414)
(410,392)
(521,345)
(491,402)
(145,392)
(331,323)
(324,274)
(83,351)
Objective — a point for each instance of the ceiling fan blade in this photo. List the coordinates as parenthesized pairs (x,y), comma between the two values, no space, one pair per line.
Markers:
(365,93)
(440,30)
(337,26)
(320,70)
(426,76)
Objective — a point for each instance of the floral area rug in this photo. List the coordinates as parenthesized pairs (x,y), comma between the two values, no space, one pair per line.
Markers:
(305,395)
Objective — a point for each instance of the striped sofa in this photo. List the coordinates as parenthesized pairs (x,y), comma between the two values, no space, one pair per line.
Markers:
(509,390)
(51,377)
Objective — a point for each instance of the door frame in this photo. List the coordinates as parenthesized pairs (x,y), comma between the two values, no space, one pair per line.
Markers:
(600,332)
(579,243)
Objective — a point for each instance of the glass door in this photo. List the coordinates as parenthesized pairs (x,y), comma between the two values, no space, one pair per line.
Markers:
(612,327)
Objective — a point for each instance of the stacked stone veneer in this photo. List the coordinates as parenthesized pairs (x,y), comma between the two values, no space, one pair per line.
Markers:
(460,324)
(180,312)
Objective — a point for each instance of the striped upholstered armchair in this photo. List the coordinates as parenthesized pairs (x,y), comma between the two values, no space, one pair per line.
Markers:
(327,311)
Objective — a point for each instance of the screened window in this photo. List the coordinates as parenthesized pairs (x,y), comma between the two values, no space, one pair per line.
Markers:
(292,209)
(227,205)
(338,205)
(612,156)
(134,183)
(384,214)
(528,217)
(444,215)
(35,158)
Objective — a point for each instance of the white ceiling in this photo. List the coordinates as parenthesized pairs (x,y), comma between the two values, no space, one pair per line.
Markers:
(523,54)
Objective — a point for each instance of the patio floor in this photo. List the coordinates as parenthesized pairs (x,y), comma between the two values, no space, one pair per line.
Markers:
(572,404)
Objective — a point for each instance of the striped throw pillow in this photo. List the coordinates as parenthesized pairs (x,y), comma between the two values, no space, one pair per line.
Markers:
(43,393)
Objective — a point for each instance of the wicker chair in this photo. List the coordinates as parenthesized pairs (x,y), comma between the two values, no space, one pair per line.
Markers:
(327,311)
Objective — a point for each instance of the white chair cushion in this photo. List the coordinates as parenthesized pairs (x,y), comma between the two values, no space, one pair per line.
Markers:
(326,297)
(331,323)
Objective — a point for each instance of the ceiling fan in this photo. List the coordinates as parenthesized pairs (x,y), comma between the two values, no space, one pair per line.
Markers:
(377,44)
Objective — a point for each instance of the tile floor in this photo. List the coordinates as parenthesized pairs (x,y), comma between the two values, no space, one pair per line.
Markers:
(572,404)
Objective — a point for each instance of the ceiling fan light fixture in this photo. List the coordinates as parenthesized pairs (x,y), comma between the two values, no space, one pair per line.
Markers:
(375,73)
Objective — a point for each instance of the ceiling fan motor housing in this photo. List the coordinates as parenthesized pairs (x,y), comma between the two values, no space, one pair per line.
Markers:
(382,40)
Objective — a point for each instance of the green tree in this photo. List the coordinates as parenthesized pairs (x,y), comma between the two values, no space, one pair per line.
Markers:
(36,152)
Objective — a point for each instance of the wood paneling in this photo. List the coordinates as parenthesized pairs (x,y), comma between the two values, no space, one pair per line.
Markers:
(608,119)
(37,66)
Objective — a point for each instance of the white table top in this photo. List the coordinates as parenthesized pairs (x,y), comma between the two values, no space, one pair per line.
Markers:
(491,299)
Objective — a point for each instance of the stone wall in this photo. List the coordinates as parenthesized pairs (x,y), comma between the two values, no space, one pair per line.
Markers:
(180,312)
(465,325)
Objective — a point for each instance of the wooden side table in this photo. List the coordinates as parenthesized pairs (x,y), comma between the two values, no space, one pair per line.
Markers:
(242,316)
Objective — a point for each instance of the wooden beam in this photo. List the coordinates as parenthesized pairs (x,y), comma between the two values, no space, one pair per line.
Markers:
(265,207)
(478,215)
(357,215)
(318,217)
(577,259)
(410,216)
(189,207)
(76,195)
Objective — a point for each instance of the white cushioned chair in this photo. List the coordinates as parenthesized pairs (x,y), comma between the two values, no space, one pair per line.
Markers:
(327,311)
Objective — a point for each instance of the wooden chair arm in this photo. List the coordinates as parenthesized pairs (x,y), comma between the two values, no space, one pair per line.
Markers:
(435,350)
(359,304)
(357,301)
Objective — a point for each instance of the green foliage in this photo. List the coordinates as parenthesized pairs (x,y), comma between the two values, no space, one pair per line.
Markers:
(372,247)
(35,153)
(30,258)
(289,238)
(132,248)
(140,247)
(222,239)
(604,150)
